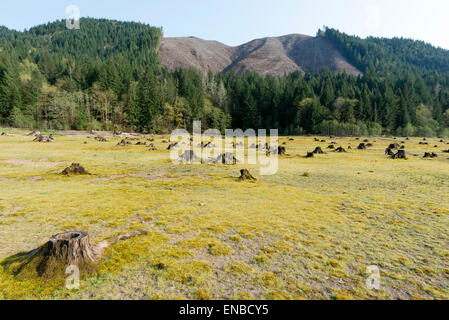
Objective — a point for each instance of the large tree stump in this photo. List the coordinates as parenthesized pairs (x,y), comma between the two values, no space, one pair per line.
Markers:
(66,249)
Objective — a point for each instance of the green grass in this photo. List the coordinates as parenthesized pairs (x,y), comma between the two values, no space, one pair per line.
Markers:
(308,232)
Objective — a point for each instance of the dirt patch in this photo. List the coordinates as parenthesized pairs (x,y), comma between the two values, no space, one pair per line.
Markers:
(31,164)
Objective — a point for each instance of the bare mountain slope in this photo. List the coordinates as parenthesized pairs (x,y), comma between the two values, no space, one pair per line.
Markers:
(275,55)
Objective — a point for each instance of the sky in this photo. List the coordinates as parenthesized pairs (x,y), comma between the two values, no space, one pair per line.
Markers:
(235,22)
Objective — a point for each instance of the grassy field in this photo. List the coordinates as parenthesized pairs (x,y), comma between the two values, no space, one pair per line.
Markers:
(308,232)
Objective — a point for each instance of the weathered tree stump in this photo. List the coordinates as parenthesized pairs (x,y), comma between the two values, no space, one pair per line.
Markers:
(226,158)
(318,150)
(430,155)
(71,248)
(340,150)
(41,138)
(389,152)
(361,146)
(399,155)
(245,175)
(75,169)
(189,157)
(310,155)
(282,151)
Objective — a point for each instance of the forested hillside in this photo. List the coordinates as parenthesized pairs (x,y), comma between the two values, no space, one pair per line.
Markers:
(107,75)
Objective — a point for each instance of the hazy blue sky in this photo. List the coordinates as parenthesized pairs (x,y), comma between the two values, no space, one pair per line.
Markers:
(237,21)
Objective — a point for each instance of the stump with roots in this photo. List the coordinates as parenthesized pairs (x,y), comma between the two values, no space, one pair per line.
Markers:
(318,150)
(389,152)
(66,249)
(245,175)
(361,146)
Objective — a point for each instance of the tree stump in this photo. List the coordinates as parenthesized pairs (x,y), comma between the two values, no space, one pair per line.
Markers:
(389,152)
(310,155)
(430,155)
(71,248)
(394,146)
(282,151)
(318,150)
(340,150)
(399,155)
(189,157)
(246,176)
(123,143)
(361,146)
(226,158)
(76,169)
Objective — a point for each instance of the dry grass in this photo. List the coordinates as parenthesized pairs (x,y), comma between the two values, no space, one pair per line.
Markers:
(288,236)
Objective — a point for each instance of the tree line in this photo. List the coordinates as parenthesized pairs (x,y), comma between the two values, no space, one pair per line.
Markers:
(107,76)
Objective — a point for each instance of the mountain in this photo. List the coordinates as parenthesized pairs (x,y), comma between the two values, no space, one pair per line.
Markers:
(274,55)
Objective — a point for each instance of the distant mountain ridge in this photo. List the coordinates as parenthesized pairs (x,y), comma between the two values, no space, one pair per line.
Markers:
(273,55)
